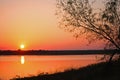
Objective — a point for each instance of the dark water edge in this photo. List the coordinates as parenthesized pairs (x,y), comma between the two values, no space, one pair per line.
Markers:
(99,71)
(56,52)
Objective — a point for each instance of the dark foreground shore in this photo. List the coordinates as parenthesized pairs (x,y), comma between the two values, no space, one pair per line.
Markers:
(100,71)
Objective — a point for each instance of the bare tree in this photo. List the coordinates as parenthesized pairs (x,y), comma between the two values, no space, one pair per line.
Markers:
(82,18)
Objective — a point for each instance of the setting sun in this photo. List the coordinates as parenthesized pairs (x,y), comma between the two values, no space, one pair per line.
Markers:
(22,46)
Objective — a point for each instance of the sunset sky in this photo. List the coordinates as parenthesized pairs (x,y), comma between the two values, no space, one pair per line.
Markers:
(34,24)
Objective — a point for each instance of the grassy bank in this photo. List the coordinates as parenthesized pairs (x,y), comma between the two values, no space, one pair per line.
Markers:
(100,71)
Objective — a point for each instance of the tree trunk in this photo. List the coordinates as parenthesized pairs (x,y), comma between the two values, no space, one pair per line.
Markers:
(111,57)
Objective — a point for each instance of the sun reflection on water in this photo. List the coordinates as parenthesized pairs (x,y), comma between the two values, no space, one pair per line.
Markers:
(22,60)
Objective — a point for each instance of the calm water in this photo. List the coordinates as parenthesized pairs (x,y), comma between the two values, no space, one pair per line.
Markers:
(14,66)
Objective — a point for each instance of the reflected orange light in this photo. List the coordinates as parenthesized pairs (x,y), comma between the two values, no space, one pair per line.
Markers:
(22,60)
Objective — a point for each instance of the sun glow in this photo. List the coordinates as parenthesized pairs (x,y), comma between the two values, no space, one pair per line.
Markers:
(22,46)
(22,60)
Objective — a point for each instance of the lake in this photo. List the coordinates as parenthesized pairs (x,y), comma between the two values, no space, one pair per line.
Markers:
(20,66)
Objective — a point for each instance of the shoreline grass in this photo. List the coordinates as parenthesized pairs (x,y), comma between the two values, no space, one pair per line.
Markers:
(99,71)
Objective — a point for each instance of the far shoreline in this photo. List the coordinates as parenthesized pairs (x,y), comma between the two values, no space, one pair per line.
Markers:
(57,52)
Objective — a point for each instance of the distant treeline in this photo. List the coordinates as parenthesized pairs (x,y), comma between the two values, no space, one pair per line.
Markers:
(57,52)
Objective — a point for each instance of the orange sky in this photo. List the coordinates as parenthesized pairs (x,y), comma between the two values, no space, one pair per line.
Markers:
(34,23)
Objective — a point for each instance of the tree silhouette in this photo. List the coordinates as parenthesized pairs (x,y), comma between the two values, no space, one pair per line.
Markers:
(82,18)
